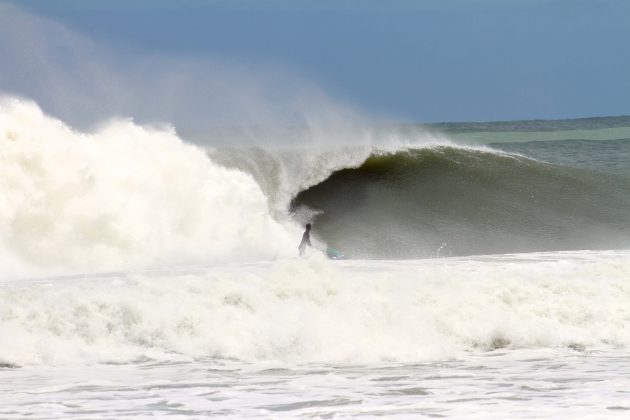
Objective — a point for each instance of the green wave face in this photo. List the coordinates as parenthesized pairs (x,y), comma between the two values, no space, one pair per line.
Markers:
(457,201)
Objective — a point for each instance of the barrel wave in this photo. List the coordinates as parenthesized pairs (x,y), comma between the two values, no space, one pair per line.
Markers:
(126,195)
(447,200)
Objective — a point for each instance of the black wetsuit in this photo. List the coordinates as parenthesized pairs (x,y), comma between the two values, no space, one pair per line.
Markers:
(306,240)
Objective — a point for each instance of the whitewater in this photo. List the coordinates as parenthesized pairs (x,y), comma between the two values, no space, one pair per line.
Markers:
(146,276)
(484,337)
(126,195)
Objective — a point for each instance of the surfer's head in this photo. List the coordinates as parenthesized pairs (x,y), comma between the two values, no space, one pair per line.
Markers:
(308,226)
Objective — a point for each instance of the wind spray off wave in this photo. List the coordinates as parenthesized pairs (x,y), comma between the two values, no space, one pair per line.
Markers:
(123,196)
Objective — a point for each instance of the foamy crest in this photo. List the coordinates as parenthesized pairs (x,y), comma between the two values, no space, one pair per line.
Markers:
(125,195)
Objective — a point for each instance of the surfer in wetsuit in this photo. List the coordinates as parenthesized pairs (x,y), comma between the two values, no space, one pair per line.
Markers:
(306,240)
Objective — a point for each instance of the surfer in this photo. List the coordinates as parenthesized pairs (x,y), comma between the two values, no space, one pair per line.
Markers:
(306,239)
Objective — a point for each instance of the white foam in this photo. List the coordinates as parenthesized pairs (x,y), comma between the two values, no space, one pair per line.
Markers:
(122,196)
(319,311)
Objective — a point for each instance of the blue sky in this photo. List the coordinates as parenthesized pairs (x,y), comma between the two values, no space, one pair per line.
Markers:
(422,61)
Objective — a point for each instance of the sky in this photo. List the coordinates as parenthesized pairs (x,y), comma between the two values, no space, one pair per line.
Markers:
(412,61)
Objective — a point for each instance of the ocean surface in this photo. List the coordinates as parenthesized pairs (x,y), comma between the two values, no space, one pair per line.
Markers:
(487,271)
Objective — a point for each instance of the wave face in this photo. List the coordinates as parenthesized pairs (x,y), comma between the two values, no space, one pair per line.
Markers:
(447,200)
(123,196)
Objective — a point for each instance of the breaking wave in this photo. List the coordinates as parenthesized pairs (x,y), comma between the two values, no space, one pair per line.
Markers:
(129,196)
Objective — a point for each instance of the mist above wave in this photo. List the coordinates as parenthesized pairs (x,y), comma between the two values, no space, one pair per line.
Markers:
(85,82)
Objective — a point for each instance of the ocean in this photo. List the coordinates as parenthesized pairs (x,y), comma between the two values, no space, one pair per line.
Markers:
(487,271)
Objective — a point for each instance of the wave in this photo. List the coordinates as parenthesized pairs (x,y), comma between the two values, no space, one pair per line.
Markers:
(127,196)
(453,200)
(317,311)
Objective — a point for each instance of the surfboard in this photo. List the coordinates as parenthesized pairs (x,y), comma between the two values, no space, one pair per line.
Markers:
(334,254)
